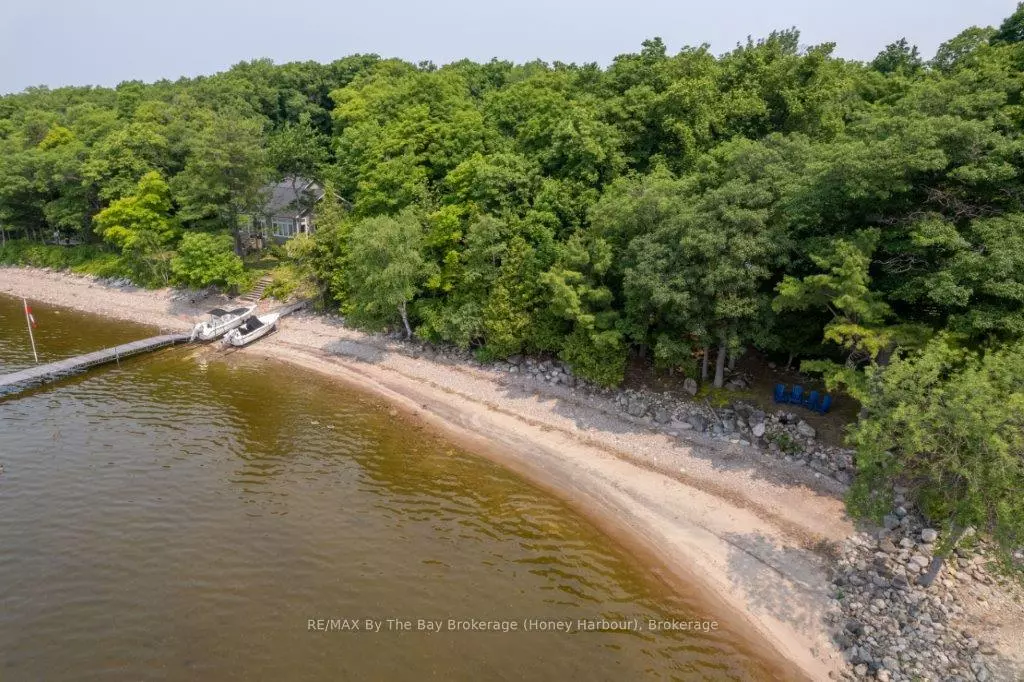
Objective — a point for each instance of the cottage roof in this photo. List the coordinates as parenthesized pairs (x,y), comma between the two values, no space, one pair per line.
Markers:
(291,197)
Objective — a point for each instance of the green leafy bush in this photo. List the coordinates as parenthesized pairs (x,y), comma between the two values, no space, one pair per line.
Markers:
(290,280)
(949,424)
(595,358)
(204,260)
(673,354)
(104,265)
(786,442)
(85,259)
(279,251)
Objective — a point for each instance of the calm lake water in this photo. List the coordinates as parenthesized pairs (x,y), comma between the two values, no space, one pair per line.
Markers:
(185,515)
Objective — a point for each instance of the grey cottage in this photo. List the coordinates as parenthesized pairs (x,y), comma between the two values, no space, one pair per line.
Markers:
(289,210)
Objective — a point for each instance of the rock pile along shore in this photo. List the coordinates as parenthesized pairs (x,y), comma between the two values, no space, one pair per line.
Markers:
(891,626)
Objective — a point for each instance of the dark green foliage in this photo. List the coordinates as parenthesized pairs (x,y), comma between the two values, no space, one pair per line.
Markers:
(1012,28)
(962,51)
(598,357)
(88,259)
(226,167)
(578,293)
(950,424)
(898,58)
(674,354)
(510,316)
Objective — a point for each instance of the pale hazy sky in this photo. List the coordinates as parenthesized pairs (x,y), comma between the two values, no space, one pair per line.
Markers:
(103,42)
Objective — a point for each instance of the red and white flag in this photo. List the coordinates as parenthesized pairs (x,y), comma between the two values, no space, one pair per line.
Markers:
(28,314)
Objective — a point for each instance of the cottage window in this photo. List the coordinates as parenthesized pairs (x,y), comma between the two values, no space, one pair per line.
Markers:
(284,227)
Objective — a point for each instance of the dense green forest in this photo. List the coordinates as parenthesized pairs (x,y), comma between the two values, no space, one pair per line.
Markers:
(864,218)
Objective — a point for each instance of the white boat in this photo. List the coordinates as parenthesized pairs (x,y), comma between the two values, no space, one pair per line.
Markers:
(221,322)
(253,328)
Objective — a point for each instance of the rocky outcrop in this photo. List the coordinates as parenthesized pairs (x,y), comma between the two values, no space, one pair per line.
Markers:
(892,627)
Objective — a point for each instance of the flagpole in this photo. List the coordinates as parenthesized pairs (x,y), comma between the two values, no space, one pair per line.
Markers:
(32,338)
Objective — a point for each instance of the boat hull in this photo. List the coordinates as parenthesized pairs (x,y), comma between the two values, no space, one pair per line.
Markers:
(210,330)
(237,338)
(208,333)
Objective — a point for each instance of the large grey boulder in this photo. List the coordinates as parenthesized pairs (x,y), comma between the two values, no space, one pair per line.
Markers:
(698,421)
(636,407)
(805,429)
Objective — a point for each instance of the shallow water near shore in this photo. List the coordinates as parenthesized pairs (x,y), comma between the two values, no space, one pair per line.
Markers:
(202,514)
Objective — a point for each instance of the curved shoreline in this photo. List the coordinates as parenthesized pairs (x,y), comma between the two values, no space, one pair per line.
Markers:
(643,510)
(686,507)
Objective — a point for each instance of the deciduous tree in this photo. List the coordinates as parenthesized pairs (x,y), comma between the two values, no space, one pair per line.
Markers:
(385,268)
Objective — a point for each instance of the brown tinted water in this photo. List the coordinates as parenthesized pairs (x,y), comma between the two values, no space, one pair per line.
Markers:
(185,515)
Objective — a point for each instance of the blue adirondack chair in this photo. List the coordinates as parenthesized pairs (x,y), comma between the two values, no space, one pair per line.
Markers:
(797,397)
(826,403)
(780,393)
(812,401)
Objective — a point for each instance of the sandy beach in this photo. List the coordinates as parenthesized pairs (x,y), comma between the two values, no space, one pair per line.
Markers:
(746,530)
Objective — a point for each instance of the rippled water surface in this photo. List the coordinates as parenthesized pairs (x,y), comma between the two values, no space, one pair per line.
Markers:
(185,515)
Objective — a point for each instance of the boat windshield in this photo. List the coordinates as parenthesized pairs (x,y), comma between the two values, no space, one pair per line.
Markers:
(251,325)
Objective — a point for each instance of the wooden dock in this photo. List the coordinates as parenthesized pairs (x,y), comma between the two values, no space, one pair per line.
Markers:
(291,307)
(17,381)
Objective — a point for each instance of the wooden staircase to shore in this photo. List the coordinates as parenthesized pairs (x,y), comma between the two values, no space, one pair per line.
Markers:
(256,293)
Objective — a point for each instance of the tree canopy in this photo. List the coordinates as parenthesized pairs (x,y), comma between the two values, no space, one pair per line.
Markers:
(668,206)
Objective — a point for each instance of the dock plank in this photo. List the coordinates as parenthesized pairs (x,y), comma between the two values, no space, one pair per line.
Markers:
(31,376)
